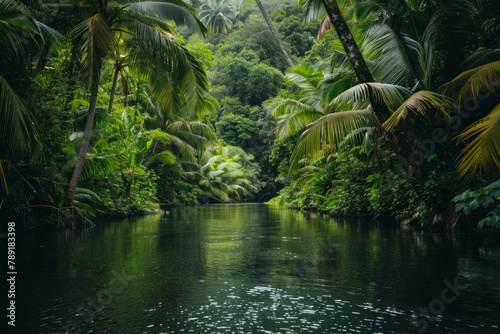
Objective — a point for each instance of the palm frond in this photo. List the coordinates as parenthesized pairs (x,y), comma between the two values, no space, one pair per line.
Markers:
(87,196)
(95,37)
(98,165)
(80,118)
(165,157)
(204,130)
(179,78)
(385,47)
(48,33)
(84,208)
(329,131)
(482,56)
(476,82)
(293,116)
(17,128)
(182,148)
(176,10)
(313,10)
(427,106)
(15,19)
(358,137)
(324,27)
(483,150)
(359,95)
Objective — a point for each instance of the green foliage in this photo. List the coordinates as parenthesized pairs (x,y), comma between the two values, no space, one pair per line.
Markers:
(485,197)
(236,129)
(243,77)
(254,35)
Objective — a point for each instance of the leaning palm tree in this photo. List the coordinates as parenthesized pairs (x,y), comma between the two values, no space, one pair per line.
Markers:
(217,16)
(176,78)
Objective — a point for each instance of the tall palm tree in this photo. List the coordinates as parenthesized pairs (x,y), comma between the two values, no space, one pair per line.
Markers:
(217,16)
(178,77)
(274,33)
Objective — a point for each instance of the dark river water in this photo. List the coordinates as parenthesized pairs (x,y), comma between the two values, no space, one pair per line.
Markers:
(255,269)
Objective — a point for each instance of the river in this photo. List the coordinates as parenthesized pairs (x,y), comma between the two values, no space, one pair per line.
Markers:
(252,268)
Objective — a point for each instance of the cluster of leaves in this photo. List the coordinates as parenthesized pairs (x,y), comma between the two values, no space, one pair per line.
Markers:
(348,184)
(243,76)
(485,197)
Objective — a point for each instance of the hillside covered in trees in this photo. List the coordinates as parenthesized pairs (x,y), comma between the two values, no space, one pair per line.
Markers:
(374,108)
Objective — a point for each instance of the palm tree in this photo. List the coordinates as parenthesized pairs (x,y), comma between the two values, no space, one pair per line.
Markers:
(220,176)
(178,78)
(402,59)
(274,33)
(215,14)
(379,108)
(187,137)
(119,63)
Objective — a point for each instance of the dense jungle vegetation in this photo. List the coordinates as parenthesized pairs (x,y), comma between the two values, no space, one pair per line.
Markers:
(374,108)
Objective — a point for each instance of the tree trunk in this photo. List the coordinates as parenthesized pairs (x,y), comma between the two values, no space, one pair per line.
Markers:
(43,57)
(125,91)
(136,103)
(127,189)
(127,185)
(83,149)
(73,78)
(276,37)
(113,88)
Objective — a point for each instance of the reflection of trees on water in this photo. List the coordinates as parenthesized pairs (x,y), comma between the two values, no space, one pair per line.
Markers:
(256,260)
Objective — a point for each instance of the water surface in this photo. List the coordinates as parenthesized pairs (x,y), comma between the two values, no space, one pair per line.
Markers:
(255,269)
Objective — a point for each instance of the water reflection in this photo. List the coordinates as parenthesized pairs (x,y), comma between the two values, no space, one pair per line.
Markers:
(255,269)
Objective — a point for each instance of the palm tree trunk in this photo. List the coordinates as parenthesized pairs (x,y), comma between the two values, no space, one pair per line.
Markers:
(83,149)
(113,89)
(73,78)
(354,54)
(276,37)
(137,102)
